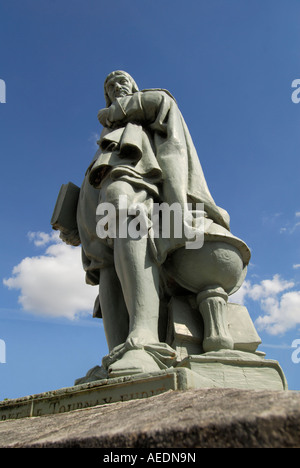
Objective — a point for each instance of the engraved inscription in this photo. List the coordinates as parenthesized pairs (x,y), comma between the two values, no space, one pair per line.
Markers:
(71,401)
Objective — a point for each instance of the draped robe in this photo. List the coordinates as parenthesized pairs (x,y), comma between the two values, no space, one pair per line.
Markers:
(146,142)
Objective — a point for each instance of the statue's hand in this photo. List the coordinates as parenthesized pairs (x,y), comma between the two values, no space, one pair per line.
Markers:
(71,238)
(103,116)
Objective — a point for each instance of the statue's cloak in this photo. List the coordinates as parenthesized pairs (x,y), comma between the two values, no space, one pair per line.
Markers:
(146,142)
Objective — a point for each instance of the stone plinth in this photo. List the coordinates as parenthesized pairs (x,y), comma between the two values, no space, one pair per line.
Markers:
(100,392)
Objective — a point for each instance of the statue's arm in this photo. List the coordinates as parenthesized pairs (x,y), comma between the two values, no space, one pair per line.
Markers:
(140,108)
(70,237)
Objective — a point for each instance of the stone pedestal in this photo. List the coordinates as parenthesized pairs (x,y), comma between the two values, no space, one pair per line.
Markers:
(236,369)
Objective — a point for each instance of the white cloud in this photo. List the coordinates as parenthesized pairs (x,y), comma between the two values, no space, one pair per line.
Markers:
(269,288)
(42,238)
(240,296)
(291,227)
(296,265)
(93,138)
(280,307)
(53,284)
(282,313)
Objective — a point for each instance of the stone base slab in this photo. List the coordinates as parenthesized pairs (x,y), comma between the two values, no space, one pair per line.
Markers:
(101,392)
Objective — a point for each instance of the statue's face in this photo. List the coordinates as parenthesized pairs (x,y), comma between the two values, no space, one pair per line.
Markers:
(118,86)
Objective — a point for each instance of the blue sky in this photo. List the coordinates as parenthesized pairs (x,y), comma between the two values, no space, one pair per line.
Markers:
(230,65)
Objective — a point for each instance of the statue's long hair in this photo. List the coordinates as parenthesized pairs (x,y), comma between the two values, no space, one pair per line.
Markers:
(114,73)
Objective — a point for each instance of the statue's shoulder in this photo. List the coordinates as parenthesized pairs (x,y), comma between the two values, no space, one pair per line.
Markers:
(159,90)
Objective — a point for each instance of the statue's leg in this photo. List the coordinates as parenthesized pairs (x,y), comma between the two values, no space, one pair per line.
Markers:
(138,275)
(139,278)
(113,308)
(137,272)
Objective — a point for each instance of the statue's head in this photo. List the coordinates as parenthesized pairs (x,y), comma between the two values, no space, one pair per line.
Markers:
(117,84)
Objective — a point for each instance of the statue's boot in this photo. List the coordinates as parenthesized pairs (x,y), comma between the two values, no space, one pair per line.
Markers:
(134,361)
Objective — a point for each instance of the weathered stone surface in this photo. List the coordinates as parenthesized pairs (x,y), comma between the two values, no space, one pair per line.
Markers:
(189,419)
(101,392)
